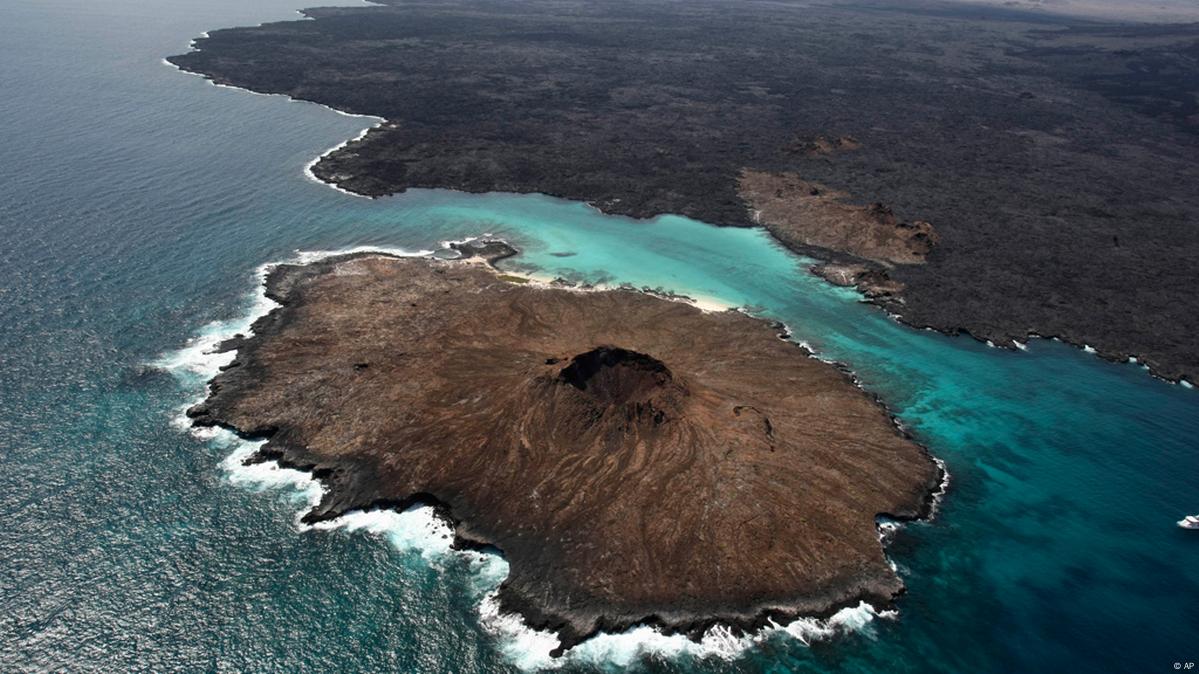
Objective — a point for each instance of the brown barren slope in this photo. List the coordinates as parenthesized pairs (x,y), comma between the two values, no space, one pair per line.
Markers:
(634,458)
(804,214)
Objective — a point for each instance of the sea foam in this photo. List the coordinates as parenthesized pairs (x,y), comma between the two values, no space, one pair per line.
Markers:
(530,649)
(308,173)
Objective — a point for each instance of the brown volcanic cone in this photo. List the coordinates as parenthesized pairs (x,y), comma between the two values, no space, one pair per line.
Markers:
(634,458)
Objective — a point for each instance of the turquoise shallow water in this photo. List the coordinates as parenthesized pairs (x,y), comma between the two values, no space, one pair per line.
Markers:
(136,203)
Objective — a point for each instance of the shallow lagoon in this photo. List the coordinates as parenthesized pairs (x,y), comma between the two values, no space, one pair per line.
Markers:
(137,203)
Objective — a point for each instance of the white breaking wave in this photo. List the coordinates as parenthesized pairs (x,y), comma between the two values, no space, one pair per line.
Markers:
(942,489)
(1132,360)
(300,487)
(308,166)
(530,649)
(526,648)
(362,134)
(449,243)
(415,529)
(310,256)
(200,358)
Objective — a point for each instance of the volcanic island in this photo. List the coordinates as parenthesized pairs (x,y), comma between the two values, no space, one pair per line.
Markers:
(637,460)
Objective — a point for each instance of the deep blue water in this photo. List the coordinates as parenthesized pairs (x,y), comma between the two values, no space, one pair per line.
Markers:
(136,203)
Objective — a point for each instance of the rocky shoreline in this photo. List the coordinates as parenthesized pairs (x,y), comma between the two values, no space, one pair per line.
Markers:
(368,479)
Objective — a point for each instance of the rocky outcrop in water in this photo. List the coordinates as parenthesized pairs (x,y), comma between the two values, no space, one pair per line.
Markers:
(871,281)
(634,458)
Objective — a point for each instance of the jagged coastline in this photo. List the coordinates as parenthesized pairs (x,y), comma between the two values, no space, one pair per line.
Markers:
(352,482)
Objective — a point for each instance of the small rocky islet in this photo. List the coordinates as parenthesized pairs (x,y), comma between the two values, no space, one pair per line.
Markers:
(635,459)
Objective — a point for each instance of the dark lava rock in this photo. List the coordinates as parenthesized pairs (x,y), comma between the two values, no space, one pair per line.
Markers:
(1030,142)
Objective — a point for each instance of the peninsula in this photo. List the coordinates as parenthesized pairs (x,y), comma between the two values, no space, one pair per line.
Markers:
(1033,174)
(637,460)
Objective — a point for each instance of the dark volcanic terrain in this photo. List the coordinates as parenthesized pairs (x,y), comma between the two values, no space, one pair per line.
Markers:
(1055,161)
(635,459)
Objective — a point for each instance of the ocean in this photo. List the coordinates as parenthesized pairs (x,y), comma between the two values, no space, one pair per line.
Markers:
(138,205)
